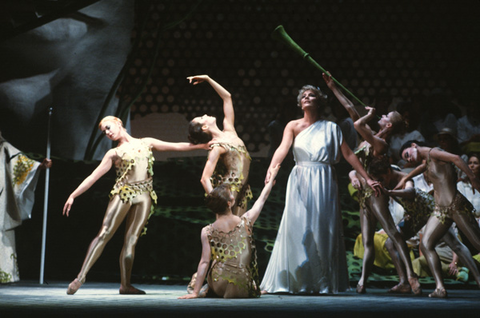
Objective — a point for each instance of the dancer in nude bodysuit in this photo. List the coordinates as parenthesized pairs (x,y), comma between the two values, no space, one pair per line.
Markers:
(450,205)
(418,206)
(230,269)
(228,160)
(374,208)
(130,198)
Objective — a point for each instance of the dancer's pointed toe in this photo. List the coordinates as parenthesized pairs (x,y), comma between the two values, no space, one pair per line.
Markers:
(74,286)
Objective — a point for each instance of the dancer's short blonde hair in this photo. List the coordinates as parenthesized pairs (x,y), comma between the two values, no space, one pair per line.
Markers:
(110,118)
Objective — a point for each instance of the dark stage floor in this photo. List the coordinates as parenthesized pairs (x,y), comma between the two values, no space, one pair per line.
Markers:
(102,299)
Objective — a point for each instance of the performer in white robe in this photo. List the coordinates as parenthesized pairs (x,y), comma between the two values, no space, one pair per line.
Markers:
(309,254)
(18,179)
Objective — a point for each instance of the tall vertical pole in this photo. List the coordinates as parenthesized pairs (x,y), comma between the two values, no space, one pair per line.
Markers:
(45,201)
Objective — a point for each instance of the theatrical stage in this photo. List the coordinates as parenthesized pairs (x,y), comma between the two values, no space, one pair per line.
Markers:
(402,51)
(102,300)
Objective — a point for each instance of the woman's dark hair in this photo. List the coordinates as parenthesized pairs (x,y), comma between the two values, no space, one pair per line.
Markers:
(470,155)
(379,166)
(197,135)
(408,144)
(217,200)
(473,154)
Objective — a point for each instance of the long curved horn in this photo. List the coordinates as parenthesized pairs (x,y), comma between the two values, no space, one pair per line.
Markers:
(279,34)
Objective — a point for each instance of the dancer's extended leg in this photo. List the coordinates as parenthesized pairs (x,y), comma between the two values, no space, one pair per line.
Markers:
(367,224)
(434,231)
(382,213)
(407,231)
(114,216)
(136,221)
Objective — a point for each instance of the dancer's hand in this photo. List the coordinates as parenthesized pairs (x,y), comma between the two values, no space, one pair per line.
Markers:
(67,206)
(189,296)
(375,185)
(356,183)
(452,268)
(46,163)
(371,110)
(267,177)
(205,146)
(328,80)
(271,173)
(385,191)
(197,79)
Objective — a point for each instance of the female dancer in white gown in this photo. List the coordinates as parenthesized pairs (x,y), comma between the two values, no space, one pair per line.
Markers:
(309,253)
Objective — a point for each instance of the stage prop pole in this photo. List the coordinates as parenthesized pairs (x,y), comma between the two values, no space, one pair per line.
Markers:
(279,34)
(45,202)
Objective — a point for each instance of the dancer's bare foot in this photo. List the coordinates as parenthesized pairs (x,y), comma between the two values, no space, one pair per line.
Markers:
(438,293)
(415,285)
(74,286)
(263,292)
(400,288)
(130,290)
(361,289)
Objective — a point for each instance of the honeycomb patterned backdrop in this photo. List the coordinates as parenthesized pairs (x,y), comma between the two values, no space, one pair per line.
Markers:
(404,49)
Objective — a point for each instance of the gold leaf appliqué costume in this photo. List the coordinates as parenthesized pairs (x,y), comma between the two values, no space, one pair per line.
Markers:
(125,170)
(234,261)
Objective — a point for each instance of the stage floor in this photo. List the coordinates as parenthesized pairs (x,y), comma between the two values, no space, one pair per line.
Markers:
(102,300)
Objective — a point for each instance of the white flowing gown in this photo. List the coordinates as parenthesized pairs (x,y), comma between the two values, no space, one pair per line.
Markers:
(309,252)
(18,180)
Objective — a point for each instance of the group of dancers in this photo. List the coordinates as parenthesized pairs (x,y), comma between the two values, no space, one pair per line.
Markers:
(309,255)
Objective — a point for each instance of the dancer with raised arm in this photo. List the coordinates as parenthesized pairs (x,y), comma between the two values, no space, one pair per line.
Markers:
(228,160)
(131,197)
(374,208)
(418,205)
(309,253)
(233,272)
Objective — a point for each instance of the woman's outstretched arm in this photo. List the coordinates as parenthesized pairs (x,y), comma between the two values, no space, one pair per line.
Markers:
(228,111)
(346,103)
(415,172)
(355,163)
(101,169)
(282,150)
(254,212)
(202,268)
(213,157)
(379,145)
(160,145)
(445,156)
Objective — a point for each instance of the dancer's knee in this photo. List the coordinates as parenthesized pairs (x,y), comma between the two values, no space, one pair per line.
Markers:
(130,243)
(426,247)
(104,235)
(368,243)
